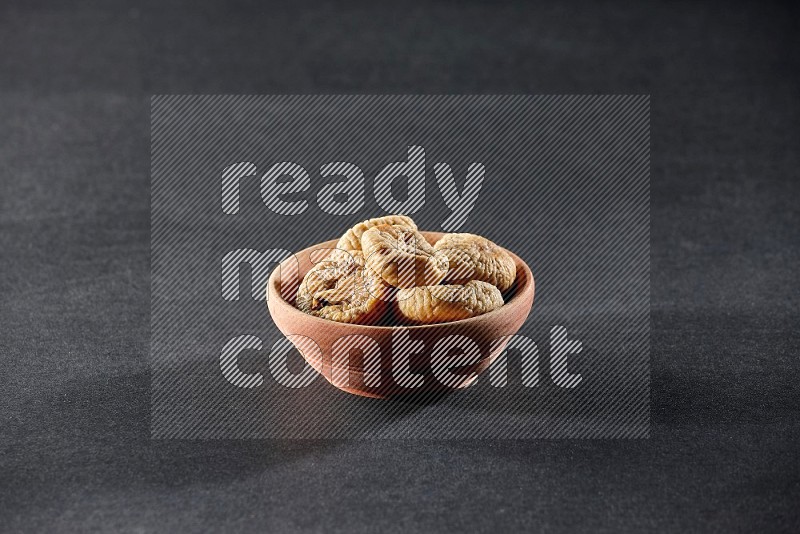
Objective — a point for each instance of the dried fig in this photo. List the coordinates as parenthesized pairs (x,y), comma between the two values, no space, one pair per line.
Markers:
(472,257)
(342,290)
(439,304)
(402,257)
(351,240)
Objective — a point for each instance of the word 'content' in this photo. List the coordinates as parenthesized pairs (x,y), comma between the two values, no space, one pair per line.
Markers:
(448,358)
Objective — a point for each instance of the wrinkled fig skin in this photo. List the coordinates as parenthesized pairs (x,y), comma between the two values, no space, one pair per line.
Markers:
(387,260)
(472,257)
(351,240)
(342,290)
(443,303)
(402,256)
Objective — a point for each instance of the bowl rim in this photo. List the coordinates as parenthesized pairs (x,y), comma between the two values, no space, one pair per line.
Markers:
(273,293)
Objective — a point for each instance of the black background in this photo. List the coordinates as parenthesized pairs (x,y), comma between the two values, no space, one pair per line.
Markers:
(74,323)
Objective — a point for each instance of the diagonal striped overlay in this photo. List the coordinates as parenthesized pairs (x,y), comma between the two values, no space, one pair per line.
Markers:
(565,186)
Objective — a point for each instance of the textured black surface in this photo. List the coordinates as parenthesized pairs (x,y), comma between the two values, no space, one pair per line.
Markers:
(75,452)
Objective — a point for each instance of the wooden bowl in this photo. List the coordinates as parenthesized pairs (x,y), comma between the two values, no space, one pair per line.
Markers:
(395,360)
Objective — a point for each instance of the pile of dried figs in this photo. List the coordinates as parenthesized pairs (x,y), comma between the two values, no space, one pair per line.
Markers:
(384,271)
